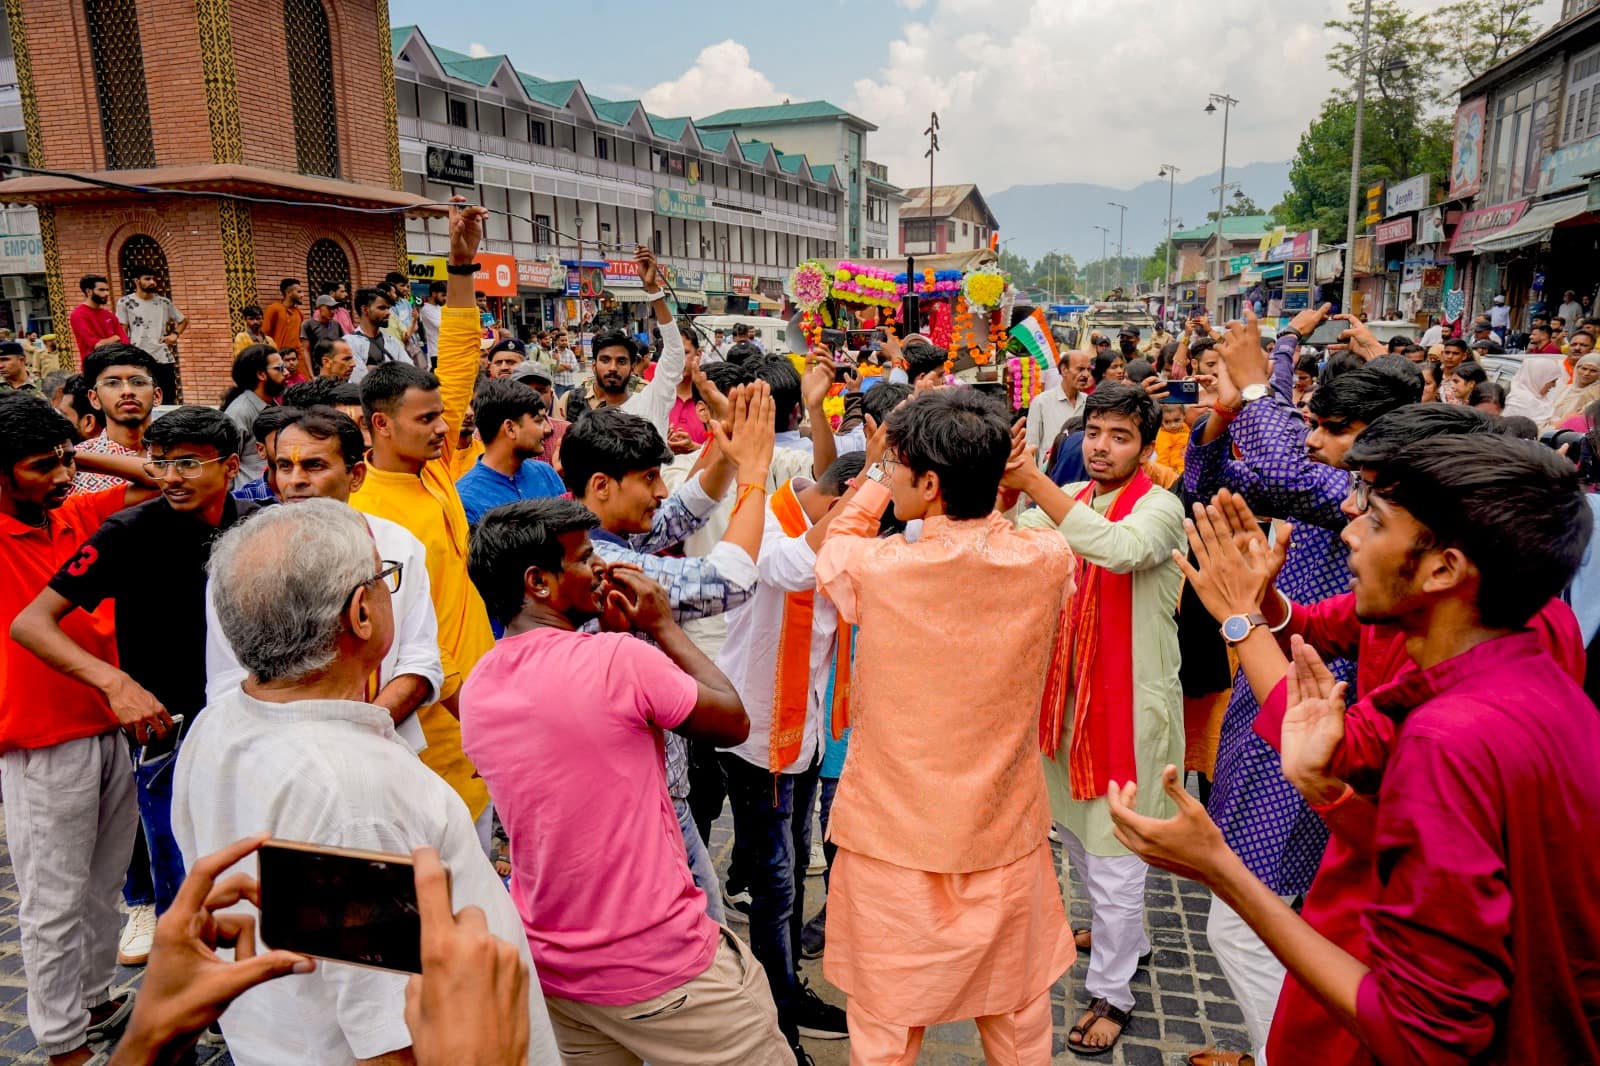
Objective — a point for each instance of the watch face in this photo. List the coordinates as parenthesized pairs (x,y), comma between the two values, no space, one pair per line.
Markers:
(1236,628)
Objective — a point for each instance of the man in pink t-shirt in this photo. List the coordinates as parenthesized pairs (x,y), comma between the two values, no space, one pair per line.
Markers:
(566,729)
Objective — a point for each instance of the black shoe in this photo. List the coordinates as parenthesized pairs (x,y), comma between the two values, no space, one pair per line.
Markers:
(818,1019)
(814,937)
(736,905)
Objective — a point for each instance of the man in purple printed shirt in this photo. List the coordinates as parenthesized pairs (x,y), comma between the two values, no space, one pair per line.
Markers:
(1283,471)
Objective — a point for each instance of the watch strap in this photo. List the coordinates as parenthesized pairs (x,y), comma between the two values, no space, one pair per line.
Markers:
(1254,618)
(462,268)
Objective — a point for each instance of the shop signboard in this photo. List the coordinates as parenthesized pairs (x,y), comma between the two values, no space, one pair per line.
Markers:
(22,253)
(425,268)
(674,203)
(1395,230)
(1484,222)
(1375,193)
(1430,226)
(449,167)
(1408,195)
(743,284)
(1296,284)
(497,274)
(1239,263)
(1566,168)
(715,281)
(622,274)
(540,274)
(1466,150)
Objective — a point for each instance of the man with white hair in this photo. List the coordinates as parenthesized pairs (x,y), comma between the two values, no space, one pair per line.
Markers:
(297,752)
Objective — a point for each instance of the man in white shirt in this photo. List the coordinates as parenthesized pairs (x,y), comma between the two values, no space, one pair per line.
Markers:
(428,320)
(1570,311)
(1055,408)
(778,652)
(297,752)
(154,323)
(372,344)
(321,455)
(1434,334)
(616,355)
(1500,317)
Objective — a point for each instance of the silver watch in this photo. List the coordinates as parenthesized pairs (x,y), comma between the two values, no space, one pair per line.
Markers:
(877,473)
(1252,393)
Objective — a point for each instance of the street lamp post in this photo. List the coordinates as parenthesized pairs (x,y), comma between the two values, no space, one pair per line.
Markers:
(1169,172)
(1055,257)
(1122,220)
(1104,233)
(1214,290)
(1355,163)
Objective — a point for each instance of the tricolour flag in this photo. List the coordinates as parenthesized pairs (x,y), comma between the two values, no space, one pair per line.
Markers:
(1034,334)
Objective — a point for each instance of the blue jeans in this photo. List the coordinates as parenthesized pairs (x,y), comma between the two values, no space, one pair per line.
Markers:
(705,875)
(772,830)
(154,784)
(826,788)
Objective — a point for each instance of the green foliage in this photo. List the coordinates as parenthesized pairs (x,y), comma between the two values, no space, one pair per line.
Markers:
(1236,206)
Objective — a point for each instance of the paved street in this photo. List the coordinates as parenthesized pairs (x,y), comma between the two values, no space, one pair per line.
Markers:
(1182,1000)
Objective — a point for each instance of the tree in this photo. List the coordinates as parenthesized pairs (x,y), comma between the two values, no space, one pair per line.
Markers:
(1482,32)
(1238,206)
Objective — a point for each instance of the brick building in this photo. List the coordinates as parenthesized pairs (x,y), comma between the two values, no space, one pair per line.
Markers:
(286,99)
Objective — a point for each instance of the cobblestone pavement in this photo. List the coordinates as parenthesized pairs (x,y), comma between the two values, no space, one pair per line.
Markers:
(1182,1001)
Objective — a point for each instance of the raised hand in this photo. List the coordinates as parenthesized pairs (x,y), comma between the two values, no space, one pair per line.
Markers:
(1306,322)
(1245,528)
(818,379)
(1361,340)
(1227,580)
(1313,725)
(719,406)
(749,443)
(649,272)
(466,229)
(1240,348)
(1189,844)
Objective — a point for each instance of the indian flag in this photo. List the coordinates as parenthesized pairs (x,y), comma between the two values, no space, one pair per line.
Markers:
(1034,334)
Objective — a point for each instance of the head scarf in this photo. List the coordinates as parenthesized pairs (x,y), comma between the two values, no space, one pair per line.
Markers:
(1573,400)
(1533,393)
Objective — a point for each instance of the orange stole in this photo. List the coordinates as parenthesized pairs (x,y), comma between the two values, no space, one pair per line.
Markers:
(792,679)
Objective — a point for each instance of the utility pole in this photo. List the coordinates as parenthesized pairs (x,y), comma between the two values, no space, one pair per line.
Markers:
(1104,233)
(932,133)
(1214,289)
(1121,223)
(1169,172)
(1355,163)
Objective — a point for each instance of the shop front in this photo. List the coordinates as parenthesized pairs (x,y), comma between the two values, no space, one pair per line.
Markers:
(1549,249)
(539,286)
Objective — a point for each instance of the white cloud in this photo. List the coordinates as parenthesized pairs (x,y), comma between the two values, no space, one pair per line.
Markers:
(477,51)
(720,78)
(1087,90)
(911,5)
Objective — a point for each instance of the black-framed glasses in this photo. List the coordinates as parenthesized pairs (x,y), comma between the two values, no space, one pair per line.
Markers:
(389,575)
(187,468)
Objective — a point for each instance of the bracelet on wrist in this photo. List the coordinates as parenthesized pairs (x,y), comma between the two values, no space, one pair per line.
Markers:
(654,295)
(1288,612)
(462,269)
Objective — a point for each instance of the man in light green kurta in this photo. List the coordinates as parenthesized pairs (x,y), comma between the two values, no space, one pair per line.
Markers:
(1120,428)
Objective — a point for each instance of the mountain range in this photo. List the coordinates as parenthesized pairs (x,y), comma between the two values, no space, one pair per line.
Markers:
(1038,219)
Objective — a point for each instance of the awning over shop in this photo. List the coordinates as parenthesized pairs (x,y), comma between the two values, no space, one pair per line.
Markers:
(1536,223)
(690,296)
(1271,272)
(767,303)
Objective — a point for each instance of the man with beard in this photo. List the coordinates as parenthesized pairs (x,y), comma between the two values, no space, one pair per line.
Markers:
(122,387)
(154,323)
(259,377)
(194,455)
(1113,708)
(284,317)
(93,322)
(372,344)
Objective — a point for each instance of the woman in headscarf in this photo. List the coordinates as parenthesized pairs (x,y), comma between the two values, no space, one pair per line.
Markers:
(1533,389)
(1571,401)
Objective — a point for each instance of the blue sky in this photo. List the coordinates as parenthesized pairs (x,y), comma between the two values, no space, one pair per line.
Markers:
(1028,91)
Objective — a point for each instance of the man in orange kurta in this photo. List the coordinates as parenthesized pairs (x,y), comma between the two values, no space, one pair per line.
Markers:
(944,902)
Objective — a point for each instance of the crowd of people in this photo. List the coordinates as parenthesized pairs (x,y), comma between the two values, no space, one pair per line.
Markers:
(443,594)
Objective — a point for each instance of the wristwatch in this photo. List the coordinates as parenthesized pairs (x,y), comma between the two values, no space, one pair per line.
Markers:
(878,474)
(1238,626)
(1252,393)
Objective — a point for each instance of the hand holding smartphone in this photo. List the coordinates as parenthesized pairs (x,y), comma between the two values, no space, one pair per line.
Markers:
(1182,390)
(340,904)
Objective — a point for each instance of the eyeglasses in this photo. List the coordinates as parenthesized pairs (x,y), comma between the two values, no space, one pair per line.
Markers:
(389,575)
(188,469)
(889,462)
(136,382)
(1360,492)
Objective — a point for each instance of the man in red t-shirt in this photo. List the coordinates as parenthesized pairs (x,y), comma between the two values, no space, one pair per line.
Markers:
(94,322)
(68,788)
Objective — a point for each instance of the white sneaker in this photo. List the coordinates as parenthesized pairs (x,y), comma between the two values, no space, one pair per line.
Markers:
(819,861)
(137,936)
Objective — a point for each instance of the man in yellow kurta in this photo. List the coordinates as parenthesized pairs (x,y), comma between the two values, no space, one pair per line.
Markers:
(1115,709)
(943,903)
(411,479)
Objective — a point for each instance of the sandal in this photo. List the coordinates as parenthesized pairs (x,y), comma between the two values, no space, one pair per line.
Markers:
(1212,1056)
(1098,1009)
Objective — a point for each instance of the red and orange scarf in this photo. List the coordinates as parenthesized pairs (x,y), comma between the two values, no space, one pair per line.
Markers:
(1093,660)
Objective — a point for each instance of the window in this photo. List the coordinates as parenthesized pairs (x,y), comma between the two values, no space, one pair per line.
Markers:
(326,263)
(950,231)
(605,233)
(1520,118)
(1572,8)
(458,113)
(310,54)
(537,132)
(1581,112)
(119,83)
(141,253)
(541,230)
(602,147)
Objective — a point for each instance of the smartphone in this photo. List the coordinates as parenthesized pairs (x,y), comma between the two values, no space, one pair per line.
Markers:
(340,904)
(157,748)
(1186,390)
(859,340)
(834,338)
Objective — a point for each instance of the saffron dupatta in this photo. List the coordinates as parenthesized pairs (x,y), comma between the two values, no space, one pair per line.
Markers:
(1093,662)
(792,679)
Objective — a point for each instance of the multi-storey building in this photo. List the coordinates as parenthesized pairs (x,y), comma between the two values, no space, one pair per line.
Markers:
(24,298)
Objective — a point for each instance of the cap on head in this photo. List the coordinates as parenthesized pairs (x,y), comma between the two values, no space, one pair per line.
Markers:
(327,301)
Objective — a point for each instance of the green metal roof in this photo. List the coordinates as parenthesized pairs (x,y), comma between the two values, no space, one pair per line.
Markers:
(1235,226)
(670,128)
(714,140)
(479,71)
(807,111)
(616,112)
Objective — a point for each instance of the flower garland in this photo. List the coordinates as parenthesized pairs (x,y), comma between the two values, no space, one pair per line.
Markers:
(858,283)
(984,287)
(928,283)
(808,286)
(1027,381)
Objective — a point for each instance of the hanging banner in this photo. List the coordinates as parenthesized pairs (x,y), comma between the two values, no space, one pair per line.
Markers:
(1430,226)
(1466,151)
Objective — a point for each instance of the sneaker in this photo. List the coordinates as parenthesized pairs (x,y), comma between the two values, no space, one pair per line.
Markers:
(801,1056)
(736,904)
(818,1019)
(110,1027)
(212,1036)
(137,936)
(813,938)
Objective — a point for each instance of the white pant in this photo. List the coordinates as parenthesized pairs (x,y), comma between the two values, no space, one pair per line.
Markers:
(70,816)
(1253,972)
(1116,898)
(484,826)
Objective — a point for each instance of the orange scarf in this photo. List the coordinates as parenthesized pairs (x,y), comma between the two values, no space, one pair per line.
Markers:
(844,649)
(1097,628)
(792,679)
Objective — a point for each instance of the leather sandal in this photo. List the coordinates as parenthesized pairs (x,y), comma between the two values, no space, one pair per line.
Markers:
(1098,1008)
(1213,1056)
